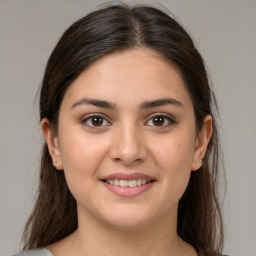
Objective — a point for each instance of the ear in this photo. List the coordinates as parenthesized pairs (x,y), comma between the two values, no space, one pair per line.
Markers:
(202,141)
(52,143)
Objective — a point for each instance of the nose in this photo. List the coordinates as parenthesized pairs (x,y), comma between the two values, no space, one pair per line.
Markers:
(128,145)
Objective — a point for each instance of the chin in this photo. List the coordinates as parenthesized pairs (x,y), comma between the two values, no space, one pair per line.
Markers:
(128,224)
(129,219)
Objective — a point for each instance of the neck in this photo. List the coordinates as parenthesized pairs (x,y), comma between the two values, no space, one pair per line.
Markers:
(95,238)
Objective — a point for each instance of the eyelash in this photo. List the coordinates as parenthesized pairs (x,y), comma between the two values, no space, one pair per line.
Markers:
(90,117)
(169,119)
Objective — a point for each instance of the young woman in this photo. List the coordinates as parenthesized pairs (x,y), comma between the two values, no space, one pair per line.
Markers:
(130,162)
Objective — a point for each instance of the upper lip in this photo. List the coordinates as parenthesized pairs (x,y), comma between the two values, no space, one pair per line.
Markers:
(128,176)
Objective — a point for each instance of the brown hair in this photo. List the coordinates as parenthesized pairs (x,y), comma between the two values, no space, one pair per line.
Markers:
(118,28)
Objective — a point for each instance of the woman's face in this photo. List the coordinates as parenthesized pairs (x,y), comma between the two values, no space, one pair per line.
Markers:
(125,121)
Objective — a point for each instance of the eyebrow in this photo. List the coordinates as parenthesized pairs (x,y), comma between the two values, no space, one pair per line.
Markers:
(161,102)
(95,102)
(144,105)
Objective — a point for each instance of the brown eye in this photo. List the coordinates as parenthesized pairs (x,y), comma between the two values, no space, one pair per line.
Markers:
(95,120)
(160,120)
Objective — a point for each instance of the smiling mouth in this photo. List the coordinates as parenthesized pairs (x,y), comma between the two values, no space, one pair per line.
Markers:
(128,183)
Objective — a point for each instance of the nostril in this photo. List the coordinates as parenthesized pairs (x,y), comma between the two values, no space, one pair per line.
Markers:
(127,153)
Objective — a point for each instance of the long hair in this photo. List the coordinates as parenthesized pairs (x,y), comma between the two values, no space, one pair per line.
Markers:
(107,30)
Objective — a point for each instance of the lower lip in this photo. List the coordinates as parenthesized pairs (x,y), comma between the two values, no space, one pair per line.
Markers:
(127,191)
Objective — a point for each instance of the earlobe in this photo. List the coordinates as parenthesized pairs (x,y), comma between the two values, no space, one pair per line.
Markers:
(202,142)
(52,143)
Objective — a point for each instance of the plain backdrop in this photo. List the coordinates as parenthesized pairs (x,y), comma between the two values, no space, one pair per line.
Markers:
(225,34)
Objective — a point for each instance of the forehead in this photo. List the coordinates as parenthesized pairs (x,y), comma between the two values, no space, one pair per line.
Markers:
(129,77)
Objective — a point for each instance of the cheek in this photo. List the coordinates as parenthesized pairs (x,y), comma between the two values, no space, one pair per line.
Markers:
(174,157)
(81,155)
(174,153)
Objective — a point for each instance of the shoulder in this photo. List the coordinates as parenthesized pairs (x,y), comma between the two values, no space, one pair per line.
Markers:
(36,252)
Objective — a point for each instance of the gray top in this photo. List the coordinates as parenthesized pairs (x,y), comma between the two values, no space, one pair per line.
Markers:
(41,252)
(37,252)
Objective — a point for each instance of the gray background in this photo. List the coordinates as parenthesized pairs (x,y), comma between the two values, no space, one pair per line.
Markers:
(224,32)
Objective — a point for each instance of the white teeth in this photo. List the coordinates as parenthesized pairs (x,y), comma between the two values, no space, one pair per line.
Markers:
(116,182)
(132,183)
(123,183)
(128,183)
(138,182)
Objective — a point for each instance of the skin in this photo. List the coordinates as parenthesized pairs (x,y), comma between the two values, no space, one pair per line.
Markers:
(127,141)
